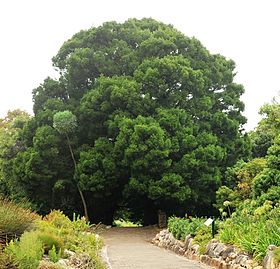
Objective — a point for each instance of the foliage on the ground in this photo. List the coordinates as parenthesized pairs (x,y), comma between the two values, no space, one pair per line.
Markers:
(252,228)
(51,236)
(26,251)
(181,227)
(203,237)
(14,220)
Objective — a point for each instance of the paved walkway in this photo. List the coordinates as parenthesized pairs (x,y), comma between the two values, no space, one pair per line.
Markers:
(130,248)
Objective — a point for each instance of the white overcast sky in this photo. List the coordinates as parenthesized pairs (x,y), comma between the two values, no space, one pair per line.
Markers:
(247,31)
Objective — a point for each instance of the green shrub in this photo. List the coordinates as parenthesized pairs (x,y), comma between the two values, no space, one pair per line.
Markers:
(253,232)
(80,224)
(181,227)
(26,252)
(58,219)
(54,255)
(73,234)
(203,237)
(49,241)
(14,220)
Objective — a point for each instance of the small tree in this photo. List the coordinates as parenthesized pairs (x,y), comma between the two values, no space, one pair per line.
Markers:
(65,122)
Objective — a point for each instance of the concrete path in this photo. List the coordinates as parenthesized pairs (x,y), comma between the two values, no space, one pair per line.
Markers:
(130,248)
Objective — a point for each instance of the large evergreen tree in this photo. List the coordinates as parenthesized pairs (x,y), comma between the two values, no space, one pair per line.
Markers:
(159,120)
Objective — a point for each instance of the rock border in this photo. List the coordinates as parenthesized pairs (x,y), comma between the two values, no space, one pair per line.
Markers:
(218,255)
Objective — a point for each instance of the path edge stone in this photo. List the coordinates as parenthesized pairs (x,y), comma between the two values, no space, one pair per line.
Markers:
(218,255)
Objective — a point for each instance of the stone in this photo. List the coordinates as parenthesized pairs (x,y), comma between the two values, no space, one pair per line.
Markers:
(241,259)
(181,244)
(62,262)
(258,267)
(195,248)
(172,240)
(231,256)
(228,250)
(215,262)
(203,258)
(195,257)
(219,249)
(269,262)
(188,254)
(210,249)
(188,243)
(181,251)
(176,249)
(69,252)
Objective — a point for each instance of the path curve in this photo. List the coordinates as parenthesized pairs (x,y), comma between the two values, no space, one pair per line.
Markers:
(130,248)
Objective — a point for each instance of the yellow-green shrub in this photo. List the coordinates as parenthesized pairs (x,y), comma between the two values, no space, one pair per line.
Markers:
(58,219)
(49,241)
(26,252)
(203,237)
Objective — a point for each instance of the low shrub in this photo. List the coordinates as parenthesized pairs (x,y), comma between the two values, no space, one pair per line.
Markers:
(203,237)
(49,241)
(80,224)
(181,227)
(54,255)
(26,252)
(14,220)
(252,232)
(58,219)
(51,236)
(74,235)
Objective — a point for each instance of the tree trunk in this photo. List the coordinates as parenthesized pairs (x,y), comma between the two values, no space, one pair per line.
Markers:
(79,190)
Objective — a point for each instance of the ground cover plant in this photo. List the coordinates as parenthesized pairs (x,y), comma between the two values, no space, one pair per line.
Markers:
(252,228)
(14,220)
(181,227)
(50,236)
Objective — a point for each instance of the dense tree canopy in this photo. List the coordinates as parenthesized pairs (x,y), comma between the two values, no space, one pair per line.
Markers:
(158,121)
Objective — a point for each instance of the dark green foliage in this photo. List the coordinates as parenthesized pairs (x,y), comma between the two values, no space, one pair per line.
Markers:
(158,121)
